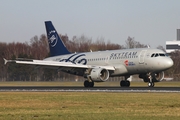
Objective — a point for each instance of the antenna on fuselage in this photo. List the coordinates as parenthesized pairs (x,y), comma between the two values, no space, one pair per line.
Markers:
(148,46)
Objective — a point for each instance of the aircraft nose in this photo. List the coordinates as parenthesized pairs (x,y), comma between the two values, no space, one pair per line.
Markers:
(169,63)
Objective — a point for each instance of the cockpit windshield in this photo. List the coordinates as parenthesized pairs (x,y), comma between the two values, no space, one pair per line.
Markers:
(158,54)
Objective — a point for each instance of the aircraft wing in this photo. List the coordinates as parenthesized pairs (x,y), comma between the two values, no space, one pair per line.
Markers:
(57,64)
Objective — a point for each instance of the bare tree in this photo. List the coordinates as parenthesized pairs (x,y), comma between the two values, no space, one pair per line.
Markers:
(131,43)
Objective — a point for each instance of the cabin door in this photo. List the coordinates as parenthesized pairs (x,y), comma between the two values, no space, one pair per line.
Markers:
(141,56)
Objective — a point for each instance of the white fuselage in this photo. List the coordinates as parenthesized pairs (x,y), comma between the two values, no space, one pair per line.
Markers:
(126,61)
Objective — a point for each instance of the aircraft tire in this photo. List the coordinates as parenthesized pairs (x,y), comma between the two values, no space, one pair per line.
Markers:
(151,84)
(91,84)
(127,83)
(124,83)
(88,84)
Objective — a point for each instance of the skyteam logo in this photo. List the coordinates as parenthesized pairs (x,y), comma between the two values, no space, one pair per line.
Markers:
(52,38)
(76,58)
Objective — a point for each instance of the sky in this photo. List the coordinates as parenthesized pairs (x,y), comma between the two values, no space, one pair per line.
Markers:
(151,22)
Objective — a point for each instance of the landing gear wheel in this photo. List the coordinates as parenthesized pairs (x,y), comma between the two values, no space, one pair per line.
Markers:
(88,84)
(91,84)
(124,83)
(151,84)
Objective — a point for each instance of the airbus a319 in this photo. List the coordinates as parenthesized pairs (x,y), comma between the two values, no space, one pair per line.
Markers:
(98,66)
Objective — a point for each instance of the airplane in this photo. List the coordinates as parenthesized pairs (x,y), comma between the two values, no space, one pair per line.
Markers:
(98,66)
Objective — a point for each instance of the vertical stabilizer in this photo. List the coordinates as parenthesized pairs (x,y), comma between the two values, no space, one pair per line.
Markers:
(56,45)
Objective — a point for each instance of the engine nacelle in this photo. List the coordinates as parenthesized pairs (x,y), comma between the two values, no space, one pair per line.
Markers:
(99,75)
(156,77)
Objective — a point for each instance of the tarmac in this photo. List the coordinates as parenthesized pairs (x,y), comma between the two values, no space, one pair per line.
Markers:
(83,89)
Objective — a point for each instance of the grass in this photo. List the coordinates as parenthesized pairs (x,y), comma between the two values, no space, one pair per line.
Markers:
(89,105)
(85,105)
(116,84)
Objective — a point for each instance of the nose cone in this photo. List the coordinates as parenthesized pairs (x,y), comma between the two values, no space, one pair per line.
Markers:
(169,63)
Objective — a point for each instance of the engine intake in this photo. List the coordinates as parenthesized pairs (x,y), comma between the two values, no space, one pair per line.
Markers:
(99,75)
(156,77)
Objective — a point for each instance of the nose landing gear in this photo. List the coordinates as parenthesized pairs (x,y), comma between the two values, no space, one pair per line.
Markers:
(151,82)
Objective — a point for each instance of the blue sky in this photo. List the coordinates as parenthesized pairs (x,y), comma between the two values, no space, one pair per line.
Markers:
(150,22)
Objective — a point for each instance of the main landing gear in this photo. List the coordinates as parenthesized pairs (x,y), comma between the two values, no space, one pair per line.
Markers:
(88,84)
(125,83)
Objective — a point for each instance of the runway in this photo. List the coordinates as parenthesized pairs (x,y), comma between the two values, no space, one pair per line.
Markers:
(82,89)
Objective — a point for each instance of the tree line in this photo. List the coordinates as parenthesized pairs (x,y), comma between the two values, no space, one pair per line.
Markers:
(37,48)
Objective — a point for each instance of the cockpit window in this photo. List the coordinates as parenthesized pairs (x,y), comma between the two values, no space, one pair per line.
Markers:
(158,54)
(161,54)
(152,55)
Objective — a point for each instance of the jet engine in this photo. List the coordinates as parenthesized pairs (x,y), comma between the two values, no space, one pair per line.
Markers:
(99,75)
(156,76)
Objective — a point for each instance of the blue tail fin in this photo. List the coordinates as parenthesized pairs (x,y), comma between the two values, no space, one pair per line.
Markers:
(56,45)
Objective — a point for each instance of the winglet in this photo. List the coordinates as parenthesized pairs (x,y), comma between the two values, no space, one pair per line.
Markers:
(5,61)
